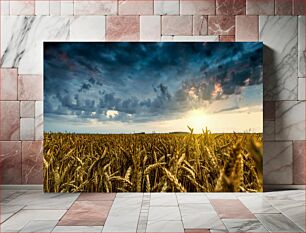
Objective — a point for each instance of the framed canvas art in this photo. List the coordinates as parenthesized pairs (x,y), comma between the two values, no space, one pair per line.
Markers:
(153,117)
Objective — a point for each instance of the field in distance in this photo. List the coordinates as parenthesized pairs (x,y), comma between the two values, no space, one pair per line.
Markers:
(153,162)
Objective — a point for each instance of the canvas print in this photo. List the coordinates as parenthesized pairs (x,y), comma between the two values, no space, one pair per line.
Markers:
(153,117)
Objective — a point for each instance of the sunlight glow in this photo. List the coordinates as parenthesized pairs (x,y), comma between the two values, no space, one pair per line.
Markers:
(197,119)
(223,122)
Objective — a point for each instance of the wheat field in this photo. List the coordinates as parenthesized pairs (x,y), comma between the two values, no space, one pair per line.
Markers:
(153,162)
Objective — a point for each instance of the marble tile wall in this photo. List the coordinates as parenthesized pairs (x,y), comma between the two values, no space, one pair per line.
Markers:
(25,24)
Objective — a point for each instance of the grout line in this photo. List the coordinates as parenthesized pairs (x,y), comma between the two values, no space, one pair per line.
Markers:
(192,24)
(73,8)
(274,11)
(13,215)
(160,28)
(179,208)
(140,212)
(117,7)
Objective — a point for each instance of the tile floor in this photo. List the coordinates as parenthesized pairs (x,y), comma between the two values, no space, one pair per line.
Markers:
(35,211)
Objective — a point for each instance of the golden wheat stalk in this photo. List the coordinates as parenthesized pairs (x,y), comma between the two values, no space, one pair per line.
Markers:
(206,162)
(174,180)
(152,167)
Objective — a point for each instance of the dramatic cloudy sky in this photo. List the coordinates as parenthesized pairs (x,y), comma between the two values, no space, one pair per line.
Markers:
(152,87)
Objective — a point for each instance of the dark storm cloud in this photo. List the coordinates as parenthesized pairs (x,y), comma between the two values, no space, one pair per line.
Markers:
(85,86)
(144,81)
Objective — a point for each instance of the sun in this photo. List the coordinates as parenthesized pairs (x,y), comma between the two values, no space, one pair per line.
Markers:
(197,119)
